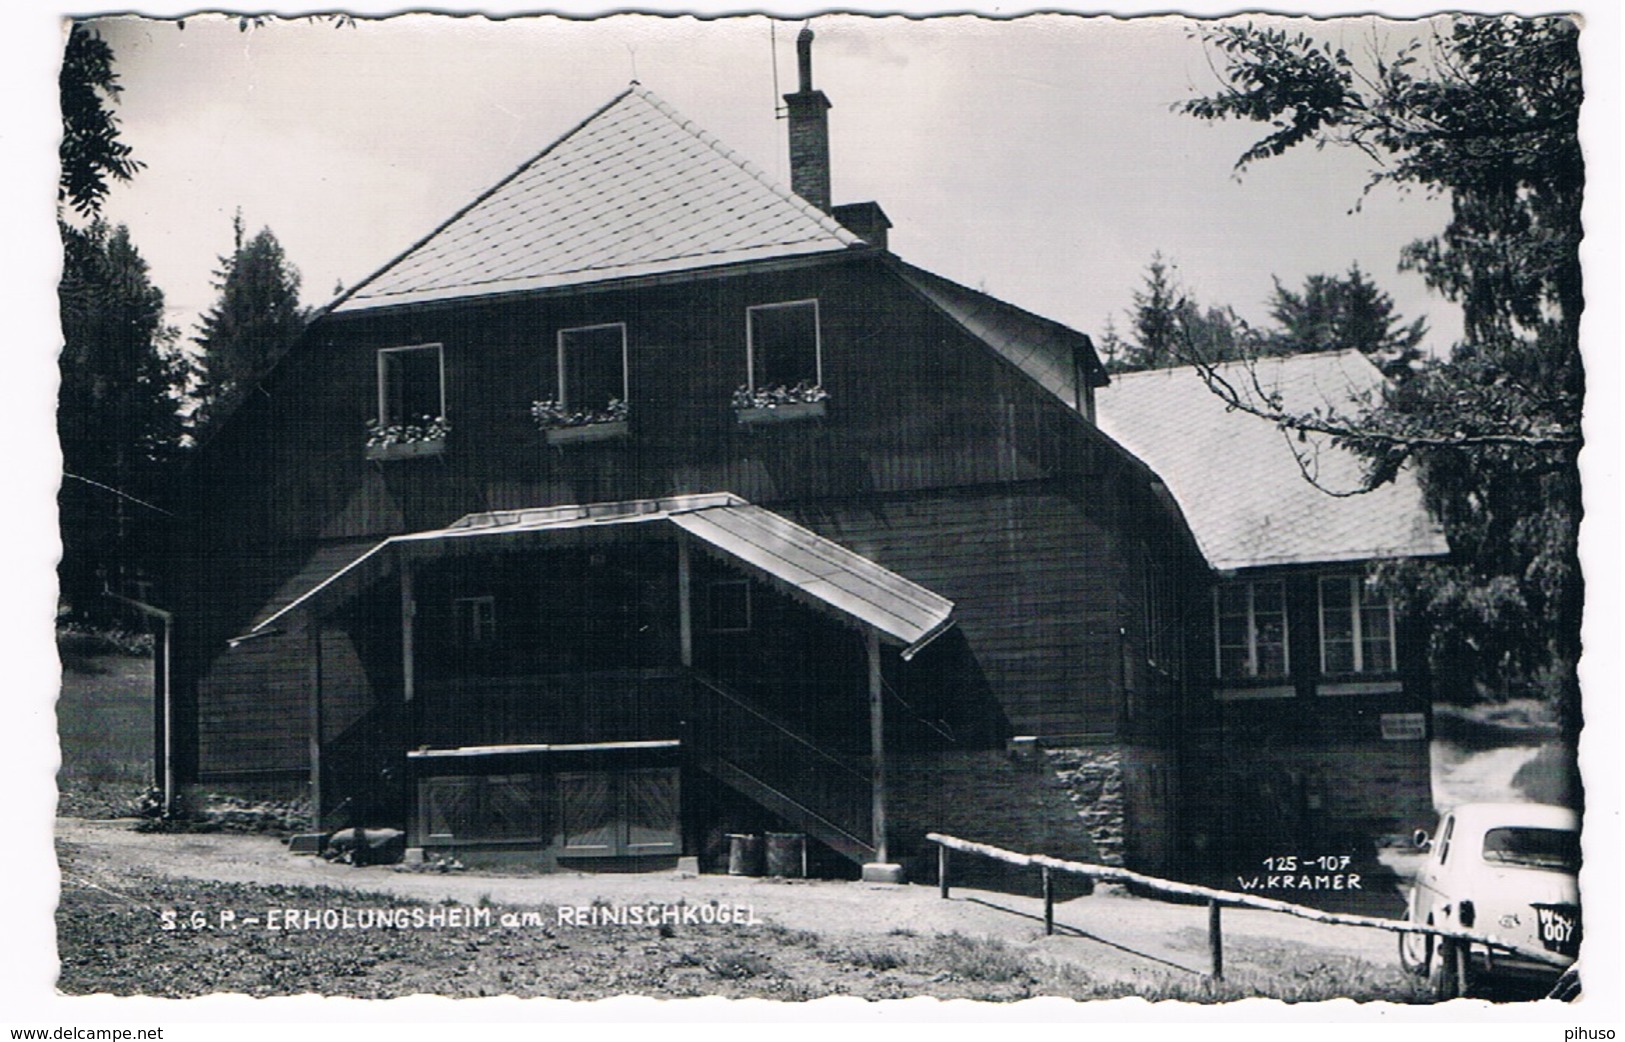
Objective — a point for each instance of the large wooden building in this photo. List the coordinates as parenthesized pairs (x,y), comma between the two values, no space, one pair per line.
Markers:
(645,501)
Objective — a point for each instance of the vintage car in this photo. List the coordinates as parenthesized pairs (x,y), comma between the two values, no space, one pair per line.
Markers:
(1506,871)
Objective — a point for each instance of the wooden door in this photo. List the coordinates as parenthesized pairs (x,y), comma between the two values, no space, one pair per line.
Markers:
(650,811)
(587,814)
(626,813)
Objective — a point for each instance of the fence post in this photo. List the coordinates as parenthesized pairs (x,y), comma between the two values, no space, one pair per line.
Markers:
(1049,901)
(1215,940)
(942,870)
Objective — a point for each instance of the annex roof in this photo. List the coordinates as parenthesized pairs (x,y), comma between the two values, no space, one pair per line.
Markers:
(1237,477)
(805,565)
(634,190)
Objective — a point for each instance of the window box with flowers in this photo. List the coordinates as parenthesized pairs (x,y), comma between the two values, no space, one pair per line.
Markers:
(426,437)
(804,401)
(566,426)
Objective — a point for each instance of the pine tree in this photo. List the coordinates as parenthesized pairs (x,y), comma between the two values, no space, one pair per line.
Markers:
(118,411)
(255,321)
(1334,313)
(1156,318)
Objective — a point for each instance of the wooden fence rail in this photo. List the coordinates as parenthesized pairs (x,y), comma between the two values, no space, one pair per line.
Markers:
(1216,899)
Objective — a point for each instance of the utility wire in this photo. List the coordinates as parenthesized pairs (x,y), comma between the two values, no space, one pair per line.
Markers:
(120,494)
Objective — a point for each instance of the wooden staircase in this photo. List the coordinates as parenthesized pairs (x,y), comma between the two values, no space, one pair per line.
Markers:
(765,760)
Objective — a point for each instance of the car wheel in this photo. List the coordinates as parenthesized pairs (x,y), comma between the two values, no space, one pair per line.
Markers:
(1444,974)
(1415,949)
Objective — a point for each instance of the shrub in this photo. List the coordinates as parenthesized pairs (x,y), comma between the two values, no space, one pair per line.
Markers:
(80,640)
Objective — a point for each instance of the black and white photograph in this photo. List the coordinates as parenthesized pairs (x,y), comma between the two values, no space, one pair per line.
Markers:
(828,508)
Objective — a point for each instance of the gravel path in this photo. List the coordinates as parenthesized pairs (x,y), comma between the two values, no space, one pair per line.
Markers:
(1112,933)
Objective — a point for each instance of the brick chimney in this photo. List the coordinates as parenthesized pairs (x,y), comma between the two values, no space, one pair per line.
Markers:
(809,131)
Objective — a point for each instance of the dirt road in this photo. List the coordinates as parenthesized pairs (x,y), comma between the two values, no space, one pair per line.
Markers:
(1113,934)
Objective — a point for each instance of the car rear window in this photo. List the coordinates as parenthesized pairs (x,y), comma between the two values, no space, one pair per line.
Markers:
(1533,848)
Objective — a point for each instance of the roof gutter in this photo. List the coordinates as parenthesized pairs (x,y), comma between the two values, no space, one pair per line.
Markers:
(920,645)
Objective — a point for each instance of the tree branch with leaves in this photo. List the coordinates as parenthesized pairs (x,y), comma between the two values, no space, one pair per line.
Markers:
(1483,110)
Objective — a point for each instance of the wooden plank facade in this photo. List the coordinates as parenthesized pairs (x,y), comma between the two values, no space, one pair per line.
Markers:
(936,457)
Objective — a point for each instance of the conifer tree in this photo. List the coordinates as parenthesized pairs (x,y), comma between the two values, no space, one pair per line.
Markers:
(254,322)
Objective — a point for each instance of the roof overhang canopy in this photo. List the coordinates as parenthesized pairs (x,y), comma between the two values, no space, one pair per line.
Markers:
(813,570)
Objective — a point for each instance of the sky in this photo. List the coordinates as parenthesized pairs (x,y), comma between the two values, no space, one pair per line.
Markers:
(1038,159)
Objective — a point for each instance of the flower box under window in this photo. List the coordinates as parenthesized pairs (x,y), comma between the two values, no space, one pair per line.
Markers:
(406,449)
(780,413)
(406,440)
(804,401)
(562,425)
(606,430)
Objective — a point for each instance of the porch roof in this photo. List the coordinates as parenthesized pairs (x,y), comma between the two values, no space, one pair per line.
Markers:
(810,568)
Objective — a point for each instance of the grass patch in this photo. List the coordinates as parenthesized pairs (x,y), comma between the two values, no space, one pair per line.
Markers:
(741,965)
(1553,776)
(978,958)
(867,957)
(104,717)
(791,938)
(1488,725)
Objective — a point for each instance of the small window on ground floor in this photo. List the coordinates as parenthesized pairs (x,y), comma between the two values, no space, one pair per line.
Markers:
(1356,627)
(1250,631)
(475,620)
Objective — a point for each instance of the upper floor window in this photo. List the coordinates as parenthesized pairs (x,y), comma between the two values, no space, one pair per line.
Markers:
(1250,630)
(782,345)
(592,367)
(1356,627)
(411,385)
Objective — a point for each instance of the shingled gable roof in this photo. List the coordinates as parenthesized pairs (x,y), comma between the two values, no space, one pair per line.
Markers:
(633,190)
(637,190)
(1235,477)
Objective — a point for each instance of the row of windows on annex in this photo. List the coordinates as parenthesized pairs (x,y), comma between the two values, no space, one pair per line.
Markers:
(1354,642)
(783,380)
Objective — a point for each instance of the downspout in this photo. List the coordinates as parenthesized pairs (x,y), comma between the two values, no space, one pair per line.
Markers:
(166,699)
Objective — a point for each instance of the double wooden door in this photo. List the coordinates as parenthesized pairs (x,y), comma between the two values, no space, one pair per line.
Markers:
(626,813)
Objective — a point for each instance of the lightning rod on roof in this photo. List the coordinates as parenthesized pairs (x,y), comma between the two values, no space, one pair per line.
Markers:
(779,110)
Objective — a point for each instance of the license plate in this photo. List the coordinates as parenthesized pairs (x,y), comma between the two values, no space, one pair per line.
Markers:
(1559,928)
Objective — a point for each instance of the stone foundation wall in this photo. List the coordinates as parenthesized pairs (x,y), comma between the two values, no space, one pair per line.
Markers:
(1092,778)
(989,796)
